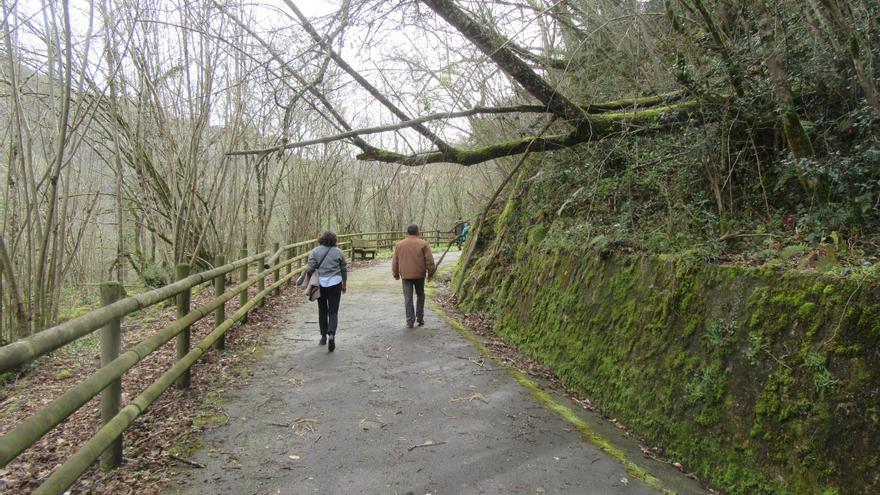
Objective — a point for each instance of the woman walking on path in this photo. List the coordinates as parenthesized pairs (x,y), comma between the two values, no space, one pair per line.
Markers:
(332,275)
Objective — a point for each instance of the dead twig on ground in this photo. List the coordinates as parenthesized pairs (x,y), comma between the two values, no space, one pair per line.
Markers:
(468,398)
(186,461)
(429,443)
(477,362)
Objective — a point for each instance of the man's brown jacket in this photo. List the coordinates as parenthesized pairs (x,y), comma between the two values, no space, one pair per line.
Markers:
(412,259)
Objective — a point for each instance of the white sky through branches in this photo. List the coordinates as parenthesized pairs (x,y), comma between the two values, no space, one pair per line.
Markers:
(402,48)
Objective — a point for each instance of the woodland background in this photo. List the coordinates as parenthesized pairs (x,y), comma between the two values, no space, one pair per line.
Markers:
(119,117)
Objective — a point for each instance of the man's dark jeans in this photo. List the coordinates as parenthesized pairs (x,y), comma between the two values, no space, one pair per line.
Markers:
(419,313)
(328,309)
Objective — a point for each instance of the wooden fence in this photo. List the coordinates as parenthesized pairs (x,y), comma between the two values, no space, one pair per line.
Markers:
(289,259)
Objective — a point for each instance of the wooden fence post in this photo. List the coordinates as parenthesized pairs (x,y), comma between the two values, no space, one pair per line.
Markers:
(183,337)
(276,275)
(288,254)
(242,277)
(261,281)
(220,312)
(111,397)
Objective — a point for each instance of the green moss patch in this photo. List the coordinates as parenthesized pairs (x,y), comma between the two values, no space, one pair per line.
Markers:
(760,380)
(588,433)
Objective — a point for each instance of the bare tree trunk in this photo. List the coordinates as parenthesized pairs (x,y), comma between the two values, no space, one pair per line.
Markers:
(852,41)
(112,69)
(15,294)
(41,299)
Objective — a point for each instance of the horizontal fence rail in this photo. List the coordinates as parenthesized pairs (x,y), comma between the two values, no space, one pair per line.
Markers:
(48,340)
(291,258)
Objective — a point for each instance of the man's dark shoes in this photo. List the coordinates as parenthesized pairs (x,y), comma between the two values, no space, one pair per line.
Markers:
(332,345)
(409,324)
(323,340)
(420,321)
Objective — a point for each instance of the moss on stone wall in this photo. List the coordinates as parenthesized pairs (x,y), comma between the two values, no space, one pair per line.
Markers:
(760,380)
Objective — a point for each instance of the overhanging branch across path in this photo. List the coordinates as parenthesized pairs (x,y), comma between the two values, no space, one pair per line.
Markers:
(642,110)
(585,123)
(601,126)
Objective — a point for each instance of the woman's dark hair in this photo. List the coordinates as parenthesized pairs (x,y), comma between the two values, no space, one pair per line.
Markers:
(327,239)
(412,229)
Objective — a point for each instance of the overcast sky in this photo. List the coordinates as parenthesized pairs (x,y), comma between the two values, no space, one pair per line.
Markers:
(374,57)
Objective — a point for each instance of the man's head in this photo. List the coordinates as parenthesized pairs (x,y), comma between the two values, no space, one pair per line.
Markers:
(413,229)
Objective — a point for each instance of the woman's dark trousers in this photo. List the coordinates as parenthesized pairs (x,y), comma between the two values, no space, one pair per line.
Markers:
(328,309)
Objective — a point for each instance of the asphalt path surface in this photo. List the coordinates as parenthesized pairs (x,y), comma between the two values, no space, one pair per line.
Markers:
(395,411)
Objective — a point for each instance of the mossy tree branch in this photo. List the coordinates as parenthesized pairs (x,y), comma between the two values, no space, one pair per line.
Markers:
(586,123)
(493,45)
(592,108)
(600,127)
(734,71)
(374,92)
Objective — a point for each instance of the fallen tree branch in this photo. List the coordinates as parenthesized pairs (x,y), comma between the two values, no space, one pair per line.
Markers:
(426,444)
(597,127)
(593,108)
(374,92)
(186,461)
(437,265)
(469,256)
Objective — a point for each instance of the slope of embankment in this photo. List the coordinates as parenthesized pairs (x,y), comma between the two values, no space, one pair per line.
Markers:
(761,379)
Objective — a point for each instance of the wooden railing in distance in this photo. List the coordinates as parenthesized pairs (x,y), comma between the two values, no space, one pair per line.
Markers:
(106,381)
(386,240)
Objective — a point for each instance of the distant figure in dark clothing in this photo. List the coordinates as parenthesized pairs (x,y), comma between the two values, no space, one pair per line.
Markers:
(412,260)
(332,276)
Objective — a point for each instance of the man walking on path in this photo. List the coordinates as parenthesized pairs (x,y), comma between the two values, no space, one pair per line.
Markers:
(413,260)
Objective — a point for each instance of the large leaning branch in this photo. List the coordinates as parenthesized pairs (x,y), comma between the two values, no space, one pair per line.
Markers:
(589,122)
(497,48)
(601,126)
(396,127)
(375,93)
(338,121)
(594,108)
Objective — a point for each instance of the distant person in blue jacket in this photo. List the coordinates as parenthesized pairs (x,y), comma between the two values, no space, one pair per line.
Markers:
(465,229)
(456,230)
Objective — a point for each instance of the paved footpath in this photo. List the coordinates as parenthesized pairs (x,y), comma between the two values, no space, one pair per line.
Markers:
(394,411)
